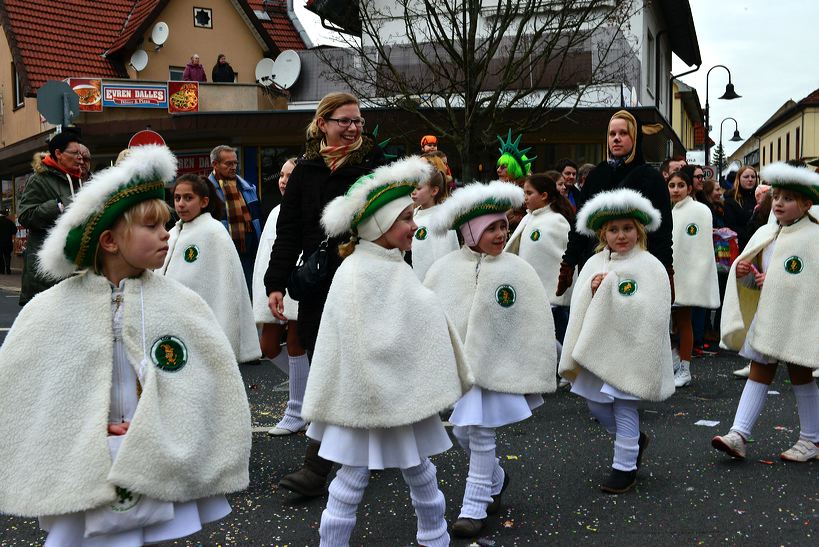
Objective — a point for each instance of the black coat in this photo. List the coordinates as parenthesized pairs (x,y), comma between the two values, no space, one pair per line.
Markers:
(638,176)
(8,229)
(298,230)
(738,215)
(222,73)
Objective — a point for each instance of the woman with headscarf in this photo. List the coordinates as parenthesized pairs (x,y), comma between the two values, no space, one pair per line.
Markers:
(624,168)
(337,154)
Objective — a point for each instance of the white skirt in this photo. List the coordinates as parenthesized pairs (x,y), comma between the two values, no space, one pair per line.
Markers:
(399,447)
(68,530)
(488,408)
(750,353)
(591,387)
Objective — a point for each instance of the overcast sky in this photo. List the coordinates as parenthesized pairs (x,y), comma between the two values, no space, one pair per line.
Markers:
(770,48)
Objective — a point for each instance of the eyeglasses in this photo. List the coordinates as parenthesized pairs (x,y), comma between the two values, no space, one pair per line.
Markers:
(345,122)
(699,176)
(75,153)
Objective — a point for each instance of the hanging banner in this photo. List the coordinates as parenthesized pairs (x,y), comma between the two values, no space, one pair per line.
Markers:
(134,96)
(184,97)
(89,91)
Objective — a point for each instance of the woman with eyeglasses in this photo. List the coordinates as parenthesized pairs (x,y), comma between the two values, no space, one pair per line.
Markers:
(336,154)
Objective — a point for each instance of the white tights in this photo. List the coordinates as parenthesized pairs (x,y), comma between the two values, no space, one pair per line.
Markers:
(620,418)
(485,477)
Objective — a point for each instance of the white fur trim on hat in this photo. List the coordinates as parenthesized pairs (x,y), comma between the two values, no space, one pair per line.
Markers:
(149,162)
(782,173)
(468,198)
(616,201)
(338,215)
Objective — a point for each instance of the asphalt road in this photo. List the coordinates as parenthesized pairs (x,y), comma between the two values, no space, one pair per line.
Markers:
(687,494)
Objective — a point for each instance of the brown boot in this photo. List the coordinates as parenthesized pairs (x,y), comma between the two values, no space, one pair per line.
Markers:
(311,480)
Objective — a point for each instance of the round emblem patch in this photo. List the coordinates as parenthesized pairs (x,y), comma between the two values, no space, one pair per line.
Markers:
(794,265)
(126,500)
(421,233)
(505,295)
(627,287)
(692,229)
(535,235)
(191,253)
(169,353)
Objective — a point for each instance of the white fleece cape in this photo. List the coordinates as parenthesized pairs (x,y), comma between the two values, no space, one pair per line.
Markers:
(621,333)
(427,246)
(785,308)
(203,258)
(261,311)
(190,435)
(695,270)
(502,314)
(541,239)
(386,355)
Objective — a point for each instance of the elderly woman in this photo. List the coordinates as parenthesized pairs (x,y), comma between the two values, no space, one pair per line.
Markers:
(624,168)
(337,154)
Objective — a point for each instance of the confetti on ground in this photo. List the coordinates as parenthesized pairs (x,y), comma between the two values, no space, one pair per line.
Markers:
(511,457)
(773,392)
(680,414)
(508,523)
(766,462)
(707,423)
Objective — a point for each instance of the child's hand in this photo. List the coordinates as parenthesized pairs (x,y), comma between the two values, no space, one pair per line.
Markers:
(595,282)
(118,429)
(743,268)
(759,277)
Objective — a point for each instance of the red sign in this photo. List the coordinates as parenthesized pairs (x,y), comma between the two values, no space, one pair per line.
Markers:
(89,91)
(198,164)
(145,136)
(183,97)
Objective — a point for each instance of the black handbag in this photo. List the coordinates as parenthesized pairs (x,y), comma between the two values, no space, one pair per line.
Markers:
(309,273)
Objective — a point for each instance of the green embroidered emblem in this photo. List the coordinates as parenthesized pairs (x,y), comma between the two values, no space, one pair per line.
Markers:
(126,500)
(692,229)
(191,253)
(421,233)
(794,265)
(627,287)
(169,353)
(535,235)
(505,295)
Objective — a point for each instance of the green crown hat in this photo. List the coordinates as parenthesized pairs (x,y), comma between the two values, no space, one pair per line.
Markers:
(613,205)
(512,149)
(475,200)
(798,179)
(71,244)
(372,192)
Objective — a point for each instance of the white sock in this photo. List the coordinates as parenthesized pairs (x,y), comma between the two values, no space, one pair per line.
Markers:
(461,434)
(626,417)
(429,504)
(604,412)
(338,519)
(750,407)
(299,370)
(482,464)
(807,403)
(625,452)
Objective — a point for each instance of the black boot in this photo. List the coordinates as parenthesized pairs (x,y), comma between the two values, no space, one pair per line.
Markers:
(643,444)
(467,528)
(619,481)
(495,505)
(311,480)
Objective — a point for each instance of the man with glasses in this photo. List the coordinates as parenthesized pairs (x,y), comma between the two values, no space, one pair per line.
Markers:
(242,206)
(46,194)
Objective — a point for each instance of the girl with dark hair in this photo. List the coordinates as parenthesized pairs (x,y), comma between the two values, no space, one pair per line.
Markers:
(202,252)
(541,238)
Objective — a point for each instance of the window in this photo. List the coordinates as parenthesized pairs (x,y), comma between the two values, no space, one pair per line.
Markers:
(763,155)
(19,97)
(796,144)
(770,152)
(202,17)
(778,149)
(787,146)
(175,73)
(650,63)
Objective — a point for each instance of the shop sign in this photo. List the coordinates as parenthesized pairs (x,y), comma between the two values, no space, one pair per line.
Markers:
(89,91)
(194,163)
(184,97)
(134,96)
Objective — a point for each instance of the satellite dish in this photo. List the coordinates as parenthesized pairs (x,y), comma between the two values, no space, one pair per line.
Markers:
(264,71)
(159,35)
(286,69)
(139,60)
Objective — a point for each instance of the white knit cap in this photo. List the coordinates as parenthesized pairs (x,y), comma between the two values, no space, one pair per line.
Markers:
(375,225)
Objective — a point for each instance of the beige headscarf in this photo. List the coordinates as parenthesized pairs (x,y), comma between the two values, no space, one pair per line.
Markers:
(631,121)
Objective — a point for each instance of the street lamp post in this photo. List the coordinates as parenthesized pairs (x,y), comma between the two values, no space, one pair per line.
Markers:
(735,138)
(729,94)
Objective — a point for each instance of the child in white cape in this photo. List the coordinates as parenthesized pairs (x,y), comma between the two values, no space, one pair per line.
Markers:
(272,328)
(617,350)
(374,391)
(203,258)
(110,354)
(769,313)
(429,247)
(501,311)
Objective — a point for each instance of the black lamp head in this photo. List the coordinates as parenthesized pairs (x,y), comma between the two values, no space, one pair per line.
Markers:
(736,137)
(729,92)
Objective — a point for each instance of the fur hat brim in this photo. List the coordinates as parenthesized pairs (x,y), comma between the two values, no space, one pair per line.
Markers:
(474,200)
(799,179)
(614,204)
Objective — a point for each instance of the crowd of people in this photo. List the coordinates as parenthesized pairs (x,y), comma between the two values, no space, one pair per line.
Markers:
(396,299)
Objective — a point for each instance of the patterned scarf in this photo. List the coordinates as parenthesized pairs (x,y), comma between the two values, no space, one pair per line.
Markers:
(335,156)
(240,223)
